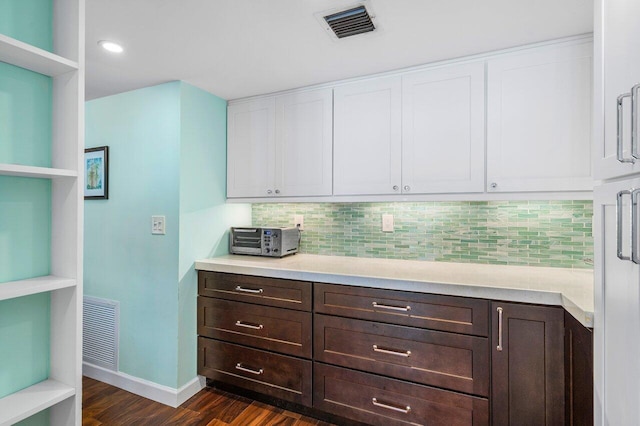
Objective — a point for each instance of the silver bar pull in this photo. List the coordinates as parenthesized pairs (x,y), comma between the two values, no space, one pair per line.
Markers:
(499,347)
(634,226)
(390,351)
(400,409)
(634,121)
(249,325)
(619,224)
(391,307)
(619,137)
(240,367)
(249,290)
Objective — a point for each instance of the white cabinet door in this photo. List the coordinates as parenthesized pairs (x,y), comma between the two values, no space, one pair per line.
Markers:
(251,149)
(443,130)
(618,52)
(539,120)
(304,138)
(367,137)
(617,310)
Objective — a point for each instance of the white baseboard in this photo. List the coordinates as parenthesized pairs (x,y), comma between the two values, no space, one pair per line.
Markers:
(150,390)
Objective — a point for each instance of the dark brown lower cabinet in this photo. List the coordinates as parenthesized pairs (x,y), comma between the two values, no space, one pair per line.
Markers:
(527,365)
(383,401)
(578,373)
(272,374)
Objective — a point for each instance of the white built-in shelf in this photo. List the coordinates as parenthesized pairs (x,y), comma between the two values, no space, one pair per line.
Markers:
(27,402)
(35,172)
(16,52)
(13,289)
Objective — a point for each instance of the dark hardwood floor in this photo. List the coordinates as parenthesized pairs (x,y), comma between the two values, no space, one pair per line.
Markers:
(103,404)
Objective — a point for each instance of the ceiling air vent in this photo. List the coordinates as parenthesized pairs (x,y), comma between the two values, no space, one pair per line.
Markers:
(350,22)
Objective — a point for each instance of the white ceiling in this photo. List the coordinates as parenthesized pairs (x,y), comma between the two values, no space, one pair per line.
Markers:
(238,48)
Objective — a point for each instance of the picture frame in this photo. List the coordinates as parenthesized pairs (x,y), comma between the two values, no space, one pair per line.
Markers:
(96,173)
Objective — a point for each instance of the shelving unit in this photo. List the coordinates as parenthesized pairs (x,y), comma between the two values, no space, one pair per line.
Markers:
(61,392)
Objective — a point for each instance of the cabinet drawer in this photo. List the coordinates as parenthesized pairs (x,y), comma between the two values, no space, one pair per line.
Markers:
(265,327)
(452,361)
(275,375)
(382,401)
(262,291)
(446,313)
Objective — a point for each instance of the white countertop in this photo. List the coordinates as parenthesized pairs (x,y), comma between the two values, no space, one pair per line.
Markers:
(569,288)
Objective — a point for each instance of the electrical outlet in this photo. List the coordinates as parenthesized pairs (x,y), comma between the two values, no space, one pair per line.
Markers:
(157,225)
(298,220)
(387,223)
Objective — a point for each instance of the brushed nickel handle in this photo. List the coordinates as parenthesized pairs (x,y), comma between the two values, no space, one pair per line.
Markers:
(499,347)
(619,135)
(391,308)
(407,188)
(493,185)
(249,325)
(390,351)
(249,290)
(634,121)
(240,367)
(396,187)
(269,191)
(400,409)
(634,223)
(277,191)
(619,196)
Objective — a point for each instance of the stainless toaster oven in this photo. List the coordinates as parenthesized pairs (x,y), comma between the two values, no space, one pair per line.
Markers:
(271,242)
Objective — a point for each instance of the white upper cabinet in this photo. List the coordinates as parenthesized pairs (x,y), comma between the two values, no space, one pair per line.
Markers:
(367,137)
(617,71)
(280,146)
(539,120)
(251,148)
(304,137)
(443,130)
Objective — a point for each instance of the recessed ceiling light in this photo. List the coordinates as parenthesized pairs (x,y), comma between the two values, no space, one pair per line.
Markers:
(110,46)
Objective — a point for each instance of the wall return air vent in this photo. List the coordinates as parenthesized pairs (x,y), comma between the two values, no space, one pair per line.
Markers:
(348,22)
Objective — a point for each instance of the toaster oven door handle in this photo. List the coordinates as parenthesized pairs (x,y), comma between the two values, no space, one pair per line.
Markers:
(248,230)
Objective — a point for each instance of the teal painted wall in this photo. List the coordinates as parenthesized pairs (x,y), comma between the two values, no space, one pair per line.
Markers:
(25,108)
(29,21)
(167,148)
(533,233)
(25,204)
(122,260)
(204,217)
(24,347)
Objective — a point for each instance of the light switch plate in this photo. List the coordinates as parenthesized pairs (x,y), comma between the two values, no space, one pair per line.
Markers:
(387,223)
(158,225)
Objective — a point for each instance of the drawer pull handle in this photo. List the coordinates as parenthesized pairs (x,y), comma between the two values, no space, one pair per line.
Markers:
(400,409)
(391,308)
(249,325)
(499,347)
(249,290)
(390,351)
(249,370)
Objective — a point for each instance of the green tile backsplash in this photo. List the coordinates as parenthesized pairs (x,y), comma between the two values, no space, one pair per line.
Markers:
(534,233)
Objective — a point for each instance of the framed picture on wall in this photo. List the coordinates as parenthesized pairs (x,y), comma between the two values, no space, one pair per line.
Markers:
(96,173)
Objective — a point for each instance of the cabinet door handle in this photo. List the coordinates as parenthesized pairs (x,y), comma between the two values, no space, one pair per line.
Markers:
(269,191)
(405,354)
(257,372)
(619,135)
(391,308)
(634,121)
(249,290)
(499,347)
(249,325)
(407,188)
(400,409)
(277,191)
(634,226)
(619,224)
(396,187)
